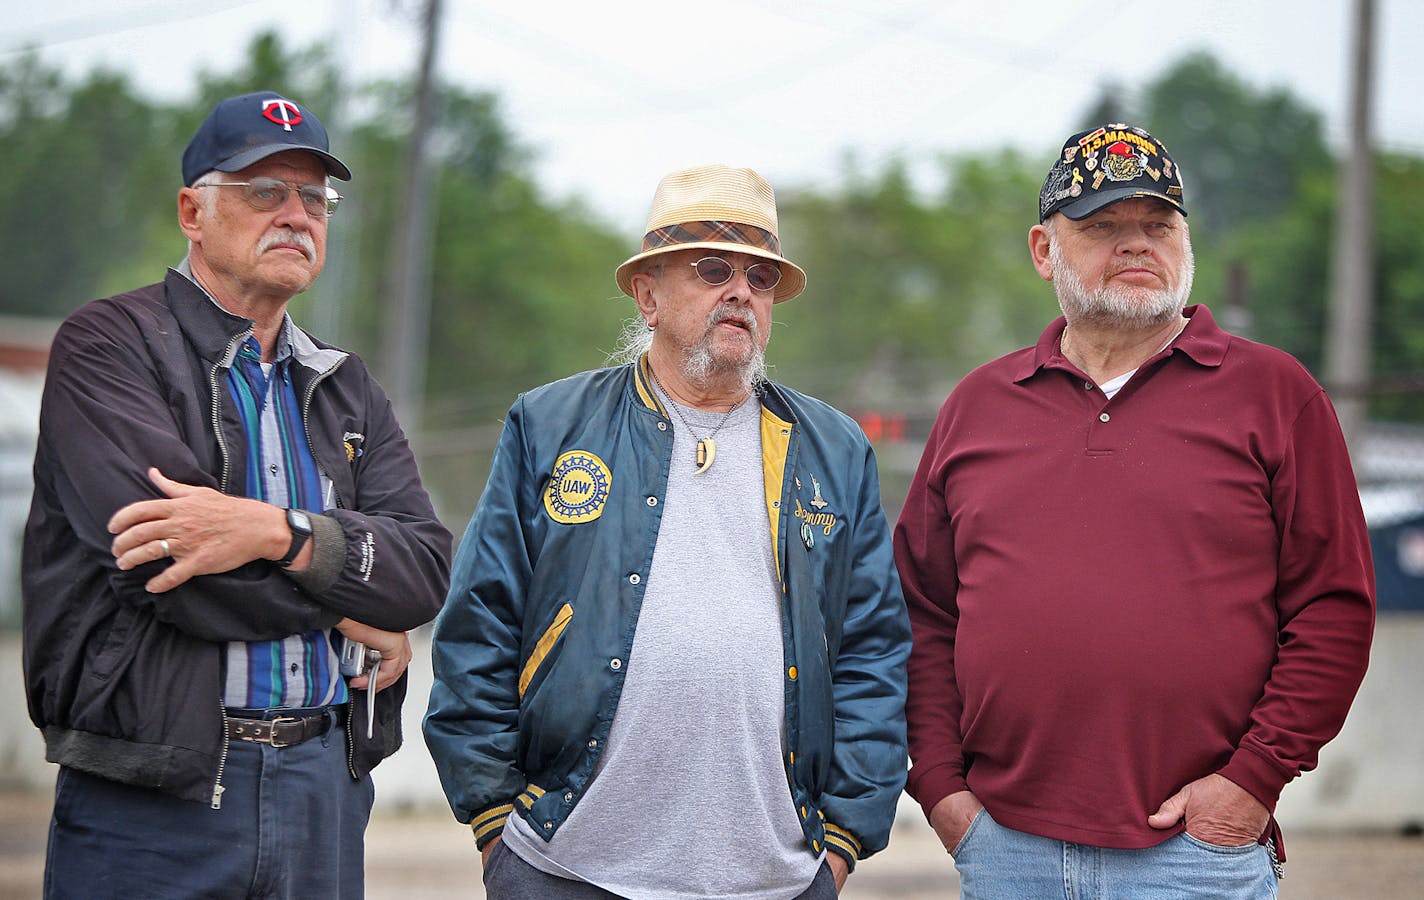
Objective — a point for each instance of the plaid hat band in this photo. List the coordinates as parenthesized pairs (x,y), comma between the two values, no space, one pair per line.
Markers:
(711,232)
(717,208)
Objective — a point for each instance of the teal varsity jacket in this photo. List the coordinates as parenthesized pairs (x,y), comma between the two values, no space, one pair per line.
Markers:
(548,582)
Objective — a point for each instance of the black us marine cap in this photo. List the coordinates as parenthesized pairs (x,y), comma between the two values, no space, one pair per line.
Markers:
(1104,165)
(243,130)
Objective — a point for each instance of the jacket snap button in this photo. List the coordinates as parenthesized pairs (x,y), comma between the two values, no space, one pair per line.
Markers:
(568,796)
(662,426)
(548,825)
(635,578)
(592,744)
(791,673)
(652,501)
(615,664)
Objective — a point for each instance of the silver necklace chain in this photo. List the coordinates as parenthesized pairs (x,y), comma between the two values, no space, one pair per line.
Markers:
(678,412)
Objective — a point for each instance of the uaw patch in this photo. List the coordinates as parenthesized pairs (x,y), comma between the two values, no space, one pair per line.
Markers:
(578,488)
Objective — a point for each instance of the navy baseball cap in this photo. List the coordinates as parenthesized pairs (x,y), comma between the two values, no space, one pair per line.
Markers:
(243,130)
(1101,166)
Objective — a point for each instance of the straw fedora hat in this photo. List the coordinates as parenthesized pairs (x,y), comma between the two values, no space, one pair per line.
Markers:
(714,208)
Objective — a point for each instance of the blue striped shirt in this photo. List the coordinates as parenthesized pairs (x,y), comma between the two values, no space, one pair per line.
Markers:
(300,670)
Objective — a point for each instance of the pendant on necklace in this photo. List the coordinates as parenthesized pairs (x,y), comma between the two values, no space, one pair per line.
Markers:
(706,455)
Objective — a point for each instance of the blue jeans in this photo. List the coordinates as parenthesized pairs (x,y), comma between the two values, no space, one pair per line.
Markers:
(995,862)
(292,824)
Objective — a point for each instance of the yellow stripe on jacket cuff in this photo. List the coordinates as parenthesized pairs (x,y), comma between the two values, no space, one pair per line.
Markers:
(489,824)
(844,842)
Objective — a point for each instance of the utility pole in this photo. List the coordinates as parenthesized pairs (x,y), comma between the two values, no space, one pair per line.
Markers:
(330,297)
(407,319)
(1347,350)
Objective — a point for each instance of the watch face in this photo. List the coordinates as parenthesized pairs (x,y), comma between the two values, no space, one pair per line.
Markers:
(298,520)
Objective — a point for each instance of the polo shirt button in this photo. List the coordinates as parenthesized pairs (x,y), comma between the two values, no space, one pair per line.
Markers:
(1104,418)
(1087,385)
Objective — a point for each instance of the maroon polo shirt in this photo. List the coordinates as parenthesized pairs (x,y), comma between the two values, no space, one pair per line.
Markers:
(1112,598)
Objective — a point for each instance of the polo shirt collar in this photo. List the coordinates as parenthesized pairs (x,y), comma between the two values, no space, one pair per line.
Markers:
(1203,341)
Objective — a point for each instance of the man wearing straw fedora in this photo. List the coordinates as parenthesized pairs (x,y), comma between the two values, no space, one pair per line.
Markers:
(672,659)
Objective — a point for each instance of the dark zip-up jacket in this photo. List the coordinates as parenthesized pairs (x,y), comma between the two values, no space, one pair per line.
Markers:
(549,580)
(127,684)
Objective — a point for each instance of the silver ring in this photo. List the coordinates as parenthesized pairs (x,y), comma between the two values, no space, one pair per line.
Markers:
(163,545)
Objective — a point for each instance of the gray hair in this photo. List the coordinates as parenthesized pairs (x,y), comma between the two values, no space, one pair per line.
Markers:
(210,198)
(634,339)
(636,336)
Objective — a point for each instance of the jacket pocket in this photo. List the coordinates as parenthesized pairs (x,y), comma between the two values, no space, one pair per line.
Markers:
(546,643)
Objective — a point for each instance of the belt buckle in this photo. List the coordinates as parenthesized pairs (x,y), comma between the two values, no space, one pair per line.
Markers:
(284,720)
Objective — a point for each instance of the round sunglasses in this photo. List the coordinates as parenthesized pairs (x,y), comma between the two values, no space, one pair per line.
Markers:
(717,271)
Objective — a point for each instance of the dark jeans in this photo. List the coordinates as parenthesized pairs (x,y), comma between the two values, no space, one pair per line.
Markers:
(292,824)
(507,877)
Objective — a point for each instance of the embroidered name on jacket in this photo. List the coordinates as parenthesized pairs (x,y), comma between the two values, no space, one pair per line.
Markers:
(820,518)
(578,488)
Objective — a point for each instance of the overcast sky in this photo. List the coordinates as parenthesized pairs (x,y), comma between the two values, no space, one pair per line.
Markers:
(613,95)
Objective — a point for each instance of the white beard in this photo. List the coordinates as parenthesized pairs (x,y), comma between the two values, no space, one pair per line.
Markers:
(1116,306)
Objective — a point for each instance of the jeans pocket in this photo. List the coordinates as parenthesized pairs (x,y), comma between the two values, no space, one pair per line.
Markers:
(979,817)
(1220,848)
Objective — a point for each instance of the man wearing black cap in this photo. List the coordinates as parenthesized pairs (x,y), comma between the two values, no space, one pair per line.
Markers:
(1137,571)
(220,502)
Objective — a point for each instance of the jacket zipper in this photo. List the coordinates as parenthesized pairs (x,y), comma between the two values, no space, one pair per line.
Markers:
(222,486)
(351,734)
(306,428)
(217,404)
(222,760)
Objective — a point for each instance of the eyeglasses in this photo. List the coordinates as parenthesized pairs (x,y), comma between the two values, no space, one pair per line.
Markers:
(717,271)
(268,194)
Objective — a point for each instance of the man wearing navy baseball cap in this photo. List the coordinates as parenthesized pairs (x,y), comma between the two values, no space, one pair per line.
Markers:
(227,543)
(1136,567)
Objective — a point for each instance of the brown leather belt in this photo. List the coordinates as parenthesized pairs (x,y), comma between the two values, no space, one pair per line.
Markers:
(282,731)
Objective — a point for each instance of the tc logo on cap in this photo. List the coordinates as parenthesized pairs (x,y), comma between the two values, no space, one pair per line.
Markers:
(281,112)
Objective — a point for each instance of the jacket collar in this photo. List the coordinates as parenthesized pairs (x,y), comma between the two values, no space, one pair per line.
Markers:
(769,393)
(1202,340)
(208,327)
(212,329)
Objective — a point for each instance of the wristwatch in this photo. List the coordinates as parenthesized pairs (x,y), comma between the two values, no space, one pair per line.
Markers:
(301,526)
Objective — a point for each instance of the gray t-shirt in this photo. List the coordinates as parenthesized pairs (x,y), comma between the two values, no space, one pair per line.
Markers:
(690,798)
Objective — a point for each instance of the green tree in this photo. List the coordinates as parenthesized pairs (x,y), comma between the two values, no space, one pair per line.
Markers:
(79,187)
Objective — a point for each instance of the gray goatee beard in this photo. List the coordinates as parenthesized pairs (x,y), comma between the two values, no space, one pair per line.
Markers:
(1119,307)
(700,367)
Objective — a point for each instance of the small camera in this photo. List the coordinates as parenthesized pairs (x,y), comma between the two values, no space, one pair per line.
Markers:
(356,657)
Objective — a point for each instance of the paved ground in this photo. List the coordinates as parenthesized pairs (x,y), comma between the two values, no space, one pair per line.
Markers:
(413,857)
